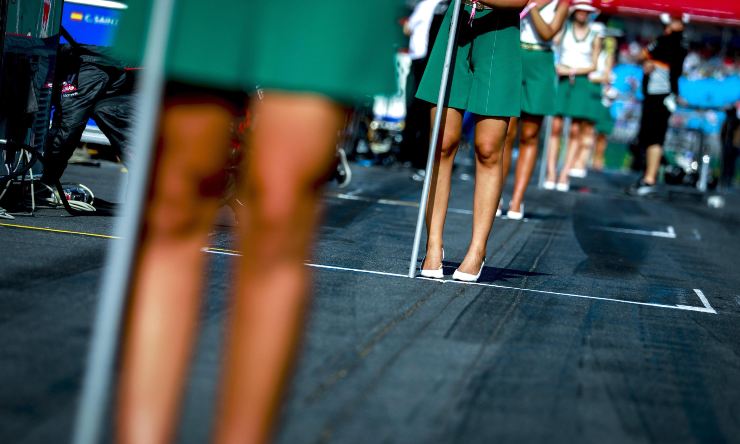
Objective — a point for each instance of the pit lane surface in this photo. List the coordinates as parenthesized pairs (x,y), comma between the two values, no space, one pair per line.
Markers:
(600,318)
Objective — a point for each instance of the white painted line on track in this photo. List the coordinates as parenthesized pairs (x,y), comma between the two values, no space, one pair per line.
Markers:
(392,202)
(355,270)
(705,309)
(352,195)
(670,232)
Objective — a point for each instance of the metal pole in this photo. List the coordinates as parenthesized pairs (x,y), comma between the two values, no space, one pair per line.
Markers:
(545,152)
(435,136)
(96,387)
(565,139)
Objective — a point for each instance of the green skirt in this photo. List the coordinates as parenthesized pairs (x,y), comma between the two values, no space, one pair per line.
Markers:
(345,50)
(604,121)
(580,99)
(538,82)
(486,74)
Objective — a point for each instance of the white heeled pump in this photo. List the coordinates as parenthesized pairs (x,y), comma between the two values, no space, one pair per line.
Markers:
(433,274)
(465,277)
(516,215)
(562,187)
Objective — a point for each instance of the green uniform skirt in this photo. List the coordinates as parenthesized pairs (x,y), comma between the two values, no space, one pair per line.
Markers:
(334,47)
(538,82)
(580,99)
(486,74)
(604,121)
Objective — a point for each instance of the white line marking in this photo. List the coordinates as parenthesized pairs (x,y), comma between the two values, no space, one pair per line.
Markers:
(355,270)
(392,202)
(670,233)
(706,309)
(223,253)
(402,203)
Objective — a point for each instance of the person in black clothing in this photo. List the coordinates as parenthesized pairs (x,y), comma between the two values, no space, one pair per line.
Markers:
(662,65)
(91,85)
(730,145)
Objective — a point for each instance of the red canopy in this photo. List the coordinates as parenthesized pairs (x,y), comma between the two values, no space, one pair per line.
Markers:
(725,12)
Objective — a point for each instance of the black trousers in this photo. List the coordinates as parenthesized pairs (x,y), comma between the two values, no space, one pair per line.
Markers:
(653,128)
(102,93)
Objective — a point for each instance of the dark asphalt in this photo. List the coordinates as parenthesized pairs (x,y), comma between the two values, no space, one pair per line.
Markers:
(587,325)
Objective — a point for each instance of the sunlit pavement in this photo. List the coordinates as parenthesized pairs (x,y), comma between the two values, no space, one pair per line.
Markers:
(599,318)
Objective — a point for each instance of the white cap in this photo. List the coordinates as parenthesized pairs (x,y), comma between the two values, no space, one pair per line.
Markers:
(666,18)
(583,5)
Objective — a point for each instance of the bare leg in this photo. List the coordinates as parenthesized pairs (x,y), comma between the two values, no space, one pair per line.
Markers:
(509,145)
(599,152)
(489,148)
(654,156)
(439,193)
(574,143)
(586,146)
(292,148)
(553,148)
(166,289)
(527,158)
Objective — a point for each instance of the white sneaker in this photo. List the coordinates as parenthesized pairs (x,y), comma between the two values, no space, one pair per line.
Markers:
(516,215)
(549,185)
(564,187)
(465,277)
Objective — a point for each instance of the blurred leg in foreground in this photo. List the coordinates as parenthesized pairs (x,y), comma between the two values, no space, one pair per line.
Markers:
(291,150)
(165,301)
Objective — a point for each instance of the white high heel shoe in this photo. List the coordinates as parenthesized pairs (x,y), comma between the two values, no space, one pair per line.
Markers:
(516,215)
(562,187)
(433,274)
(465,277)
(499,210)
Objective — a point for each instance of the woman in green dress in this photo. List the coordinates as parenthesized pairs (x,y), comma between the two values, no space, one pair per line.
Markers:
(311,59)
(543,22)
(486,81)
(578,97)
(604,121)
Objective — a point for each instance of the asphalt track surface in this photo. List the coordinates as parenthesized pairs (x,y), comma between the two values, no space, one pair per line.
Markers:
(601,318)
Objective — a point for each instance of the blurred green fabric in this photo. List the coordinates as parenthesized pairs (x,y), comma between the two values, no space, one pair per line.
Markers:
(343,49)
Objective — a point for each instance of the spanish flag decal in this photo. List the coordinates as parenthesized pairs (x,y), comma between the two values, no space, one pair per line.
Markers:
(76,16)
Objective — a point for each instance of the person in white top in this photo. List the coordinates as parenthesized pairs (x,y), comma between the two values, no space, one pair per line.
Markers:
(604,125)
(417,28)
(577,98)
(544,19)
(422,27)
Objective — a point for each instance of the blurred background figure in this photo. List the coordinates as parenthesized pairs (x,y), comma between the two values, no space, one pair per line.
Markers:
(604,122)
(662,63)
(311,58)
(422,27)
(730,145)
(578,97)
(538,28)
(90,84)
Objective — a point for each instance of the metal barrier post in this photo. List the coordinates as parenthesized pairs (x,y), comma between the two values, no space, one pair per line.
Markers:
(545,153)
